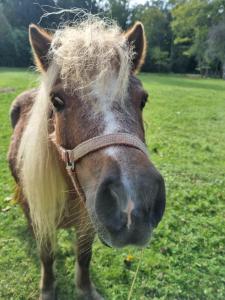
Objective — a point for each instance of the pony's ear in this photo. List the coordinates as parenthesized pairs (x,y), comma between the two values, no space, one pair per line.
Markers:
(136,38)
(40,41)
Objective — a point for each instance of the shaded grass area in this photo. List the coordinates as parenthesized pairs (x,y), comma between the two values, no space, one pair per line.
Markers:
(185,132)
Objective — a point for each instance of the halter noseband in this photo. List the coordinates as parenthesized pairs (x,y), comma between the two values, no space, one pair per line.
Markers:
(70,157)
(99,142)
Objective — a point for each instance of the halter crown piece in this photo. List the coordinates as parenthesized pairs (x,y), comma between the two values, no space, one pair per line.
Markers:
(70,157)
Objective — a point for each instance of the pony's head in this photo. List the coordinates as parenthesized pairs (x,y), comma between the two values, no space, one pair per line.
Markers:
(90,69)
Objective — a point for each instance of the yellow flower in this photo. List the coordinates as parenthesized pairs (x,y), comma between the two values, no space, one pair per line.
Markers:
(129,258)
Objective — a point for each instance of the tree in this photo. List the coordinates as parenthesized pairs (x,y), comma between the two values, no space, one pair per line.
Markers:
(216,44)
(88,5)
(17,15)
(7,45)
(20,13)
(160,59)
(22,47)
(118,10)
(191,23)
(156,20)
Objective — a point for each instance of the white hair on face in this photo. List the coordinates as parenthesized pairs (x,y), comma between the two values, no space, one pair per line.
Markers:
(43,183)
(88,53)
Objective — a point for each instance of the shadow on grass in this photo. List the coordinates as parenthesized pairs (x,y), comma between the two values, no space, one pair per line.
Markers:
(28,242)
(64,275)
(65,260)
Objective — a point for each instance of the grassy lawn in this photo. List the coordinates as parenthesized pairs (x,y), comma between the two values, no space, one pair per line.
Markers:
(185,129)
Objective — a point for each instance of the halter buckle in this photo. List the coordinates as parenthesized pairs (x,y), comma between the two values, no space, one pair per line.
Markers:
(70,165)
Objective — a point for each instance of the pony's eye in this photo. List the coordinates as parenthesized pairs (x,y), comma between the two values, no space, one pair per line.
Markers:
(57,102)
(144,100)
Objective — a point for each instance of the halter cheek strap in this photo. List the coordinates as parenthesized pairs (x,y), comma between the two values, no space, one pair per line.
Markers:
(70,157)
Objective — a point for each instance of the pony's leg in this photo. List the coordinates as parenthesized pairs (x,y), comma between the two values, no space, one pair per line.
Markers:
(86,290)
(47,284)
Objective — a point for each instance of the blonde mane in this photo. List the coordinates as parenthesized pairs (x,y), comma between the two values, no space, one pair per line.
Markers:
(84,56)
(89,54)
(43,184)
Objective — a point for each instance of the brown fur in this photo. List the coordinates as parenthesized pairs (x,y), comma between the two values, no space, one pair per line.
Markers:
(75,213)
(89,170)
(19,114)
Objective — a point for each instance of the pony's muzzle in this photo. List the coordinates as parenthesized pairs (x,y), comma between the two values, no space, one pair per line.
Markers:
(128,215)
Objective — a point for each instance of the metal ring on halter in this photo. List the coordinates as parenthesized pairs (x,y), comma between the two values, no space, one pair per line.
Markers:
(70,165)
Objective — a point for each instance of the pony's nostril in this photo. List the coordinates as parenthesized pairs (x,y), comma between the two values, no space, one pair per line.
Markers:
(108,204)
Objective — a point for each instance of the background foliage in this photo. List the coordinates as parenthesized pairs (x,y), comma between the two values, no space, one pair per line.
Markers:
(183,35)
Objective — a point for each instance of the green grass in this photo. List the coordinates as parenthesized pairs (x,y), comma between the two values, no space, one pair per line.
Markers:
(185,131)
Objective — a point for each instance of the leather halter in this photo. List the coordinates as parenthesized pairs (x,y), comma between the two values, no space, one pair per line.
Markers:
(70,157)
(99,142)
